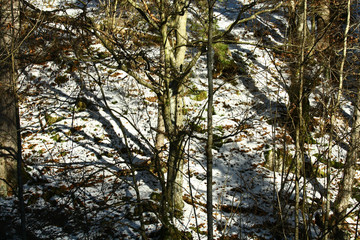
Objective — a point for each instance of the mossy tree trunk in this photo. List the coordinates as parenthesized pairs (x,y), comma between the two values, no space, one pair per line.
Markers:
(172,104)
(342,201)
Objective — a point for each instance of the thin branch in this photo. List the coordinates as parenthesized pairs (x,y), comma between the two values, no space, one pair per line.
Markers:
(239,20)
(146,15)
(122,66)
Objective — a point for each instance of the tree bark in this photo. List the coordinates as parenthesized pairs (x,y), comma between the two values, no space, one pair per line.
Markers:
(8,110)
(172,103)
(299,123)
(346,184)
(322,10)
(297,30)
(10,140)
(209,145)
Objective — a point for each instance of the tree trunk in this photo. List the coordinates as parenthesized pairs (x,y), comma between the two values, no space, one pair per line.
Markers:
(347,182)
(299,123)
(209,145)
(8,110)
(298,36)
(8,133)
(172,104)
(10,140)
(176,90)
(322,20)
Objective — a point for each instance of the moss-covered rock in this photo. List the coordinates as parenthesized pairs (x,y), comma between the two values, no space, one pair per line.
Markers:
(199,95)
(225,67)
(155,196)
(50,120)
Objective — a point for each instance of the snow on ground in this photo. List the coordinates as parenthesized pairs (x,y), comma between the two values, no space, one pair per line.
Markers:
(75,148)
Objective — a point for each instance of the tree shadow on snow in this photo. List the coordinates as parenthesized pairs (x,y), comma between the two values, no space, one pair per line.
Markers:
(245,200)
(78,184)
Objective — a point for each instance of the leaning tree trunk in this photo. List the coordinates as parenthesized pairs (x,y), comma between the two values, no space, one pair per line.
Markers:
(342,201)
(346,184)
(8,110)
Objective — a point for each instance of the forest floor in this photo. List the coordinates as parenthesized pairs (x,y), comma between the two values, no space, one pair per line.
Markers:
(80,185)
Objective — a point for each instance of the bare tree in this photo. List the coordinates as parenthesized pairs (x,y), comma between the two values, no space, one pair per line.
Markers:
(169,22)
(150,43)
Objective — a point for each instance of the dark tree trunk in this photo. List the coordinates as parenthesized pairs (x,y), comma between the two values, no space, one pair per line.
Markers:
(10,140)
(209,145)
(8,110)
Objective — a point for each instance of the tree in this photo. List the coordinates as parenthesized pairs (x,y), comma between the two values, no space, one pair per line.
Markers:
(165,71)
(347,181)
(316,42)
(169,22)
(322,50)
(337,15)
(151,41)
(8,109)
(299,124)
(209,145)
(10,140)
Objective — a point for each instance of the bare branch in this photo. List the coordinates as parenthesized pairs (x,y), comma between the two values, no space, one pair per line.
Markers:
(239,20)
(150,18)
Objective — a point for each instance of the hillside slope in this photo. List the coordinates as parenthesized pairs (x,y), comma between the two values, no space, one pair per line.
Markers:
(80,118)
